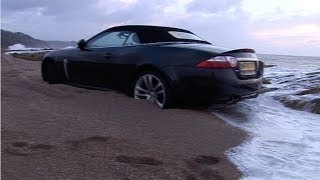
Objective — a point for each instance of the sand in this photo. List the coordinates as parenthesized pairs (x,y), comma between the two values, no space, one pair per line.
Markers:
(65,132)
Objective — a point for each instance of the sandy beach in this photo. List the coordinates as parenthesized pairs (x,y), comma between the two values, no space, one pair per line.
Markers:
(65,132)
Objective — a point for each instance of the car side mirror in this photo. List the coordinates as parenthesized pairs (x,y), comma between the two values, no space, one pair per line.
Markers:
(82,44)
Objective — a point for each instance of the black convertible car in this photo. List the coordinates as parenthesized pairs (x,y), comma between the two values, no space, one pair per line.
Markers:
(162,64)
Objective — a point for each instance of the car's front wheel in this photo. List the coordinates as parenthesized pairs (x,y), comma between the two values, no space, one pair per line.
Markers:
(153,87)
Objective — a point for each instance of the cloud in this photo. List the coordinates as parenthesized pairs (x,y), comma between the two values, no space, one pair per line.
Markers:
(58,19)
(302,30)
(212,6)
(270,10)
(262,25)
(291,39)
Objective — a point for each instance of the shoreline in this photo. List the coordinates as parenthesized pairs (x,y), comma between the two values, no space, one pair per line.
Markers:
(61,131)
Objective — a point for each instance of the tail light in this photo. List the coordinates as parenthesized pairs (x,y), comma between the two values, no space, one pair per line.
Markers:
(219,62)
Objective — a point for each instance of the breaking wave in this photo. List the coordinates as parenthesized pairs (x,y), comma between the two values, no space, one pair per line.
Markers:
(283,122)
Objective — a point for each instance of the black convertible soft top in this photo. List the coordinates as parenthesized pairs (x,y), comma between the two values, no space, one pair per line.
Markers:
(153,34)
(141,28)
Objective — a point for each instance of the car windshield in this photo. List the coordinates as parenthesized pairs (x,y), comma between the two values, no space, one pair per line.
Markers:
(185,35)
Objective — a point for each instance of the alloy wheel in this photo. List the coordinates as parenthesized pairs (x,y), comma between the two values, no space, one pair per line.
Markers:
(151,88)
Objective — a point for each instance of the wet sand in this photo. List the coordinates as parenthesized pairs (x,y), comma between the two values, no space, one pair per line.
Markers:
(65,132)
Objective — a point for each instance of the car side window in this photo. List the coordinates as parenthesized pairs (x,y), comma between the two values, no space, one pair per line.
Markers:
(132,40)
(110,39)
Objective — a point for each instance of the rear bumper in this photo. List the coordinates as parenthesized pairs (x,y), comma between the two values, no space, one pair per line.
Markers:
(211,85)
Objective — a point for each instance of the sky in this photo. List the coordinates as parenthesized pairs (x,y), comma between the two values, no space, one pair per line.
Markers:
(289,27)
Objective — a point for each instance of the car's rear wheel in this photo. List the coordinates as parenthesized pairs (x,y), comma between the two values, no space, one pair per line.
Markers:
(49,72)
(153,87)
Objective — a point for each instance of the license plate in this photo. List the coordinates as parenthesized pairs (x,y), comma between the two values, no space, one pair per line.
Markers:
(248,68)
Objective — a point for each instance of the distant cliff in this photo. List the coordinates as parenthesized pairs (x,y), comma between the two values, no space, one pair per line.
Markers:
(9,38)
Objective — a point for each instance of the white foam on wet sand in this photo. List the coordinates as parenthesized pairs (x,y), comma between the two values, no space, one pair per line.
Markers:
(283,143)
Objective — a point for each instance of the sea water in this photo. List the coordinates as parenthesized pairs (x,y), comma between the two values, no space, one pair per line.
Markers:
(283,143)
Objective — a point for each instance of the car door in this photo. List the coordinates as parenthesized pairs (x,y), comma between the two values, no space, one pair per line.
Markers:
(124,63)
(99,63)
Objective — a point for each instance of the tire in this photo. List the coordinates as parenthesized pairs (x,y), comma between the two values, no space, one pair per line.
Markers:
(49,72)
(154,87)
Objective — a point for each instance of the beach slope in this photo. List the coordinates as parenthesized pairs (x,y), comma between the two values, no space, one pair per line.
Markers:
(65,132)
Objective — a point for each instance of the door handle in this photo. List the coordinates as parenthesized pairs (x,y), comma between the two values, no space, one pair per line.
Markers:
(107,55)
